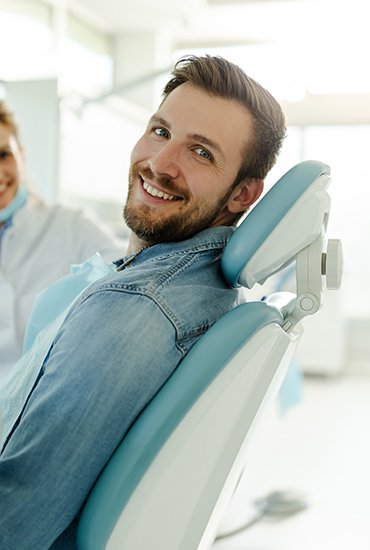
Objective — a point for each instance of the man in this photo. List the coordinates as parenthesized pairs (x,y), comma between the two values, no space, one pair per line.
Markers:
(198,167)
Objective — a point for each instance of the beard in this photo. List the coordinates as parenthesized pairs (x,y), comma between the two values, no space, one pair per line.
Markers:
(189,219)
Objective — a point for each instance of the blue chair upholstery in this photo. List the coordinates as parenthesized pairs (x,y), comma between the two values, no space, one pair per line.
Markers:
(174,472)
(264,226)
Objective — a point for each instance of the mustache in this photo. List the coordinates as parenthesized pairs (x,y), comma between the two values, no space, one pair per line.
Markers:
(162,181)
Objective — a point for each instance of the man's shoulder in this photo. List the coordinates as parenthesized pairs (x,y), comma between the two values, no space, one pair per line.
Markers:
(185,281)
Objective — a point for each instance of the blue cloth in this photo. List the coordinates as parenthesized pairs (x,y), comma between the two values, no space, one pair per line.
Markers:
(18,201)
(50,303)
(49,312)
(121,339)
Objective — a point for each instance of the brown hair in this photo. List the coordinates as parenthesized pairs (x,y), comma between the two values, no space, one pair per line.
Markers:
(7,118)
(220,77)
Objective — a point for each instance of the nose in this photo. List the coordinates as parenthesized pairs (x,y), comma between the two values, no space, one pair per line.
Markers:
(166,161)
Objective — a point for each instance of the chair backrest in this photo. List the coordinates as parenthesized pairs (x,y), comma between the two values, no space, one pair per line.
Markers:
(174,472)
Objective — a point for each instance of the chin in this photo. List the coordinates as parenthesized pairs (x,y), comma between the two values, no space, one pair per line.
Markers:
(7,198)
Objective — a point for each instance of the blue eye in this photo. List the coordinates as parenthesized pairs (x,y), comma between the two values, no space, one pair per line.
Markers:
(203,153)
(161,132)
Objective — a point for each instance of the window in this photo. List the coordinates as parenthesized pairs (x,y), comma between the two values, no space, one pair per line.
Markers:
(30,20)
(86,60)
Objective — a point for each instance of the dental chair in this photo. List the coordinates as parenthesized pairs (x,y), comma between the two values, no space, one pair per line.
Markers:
(167,485)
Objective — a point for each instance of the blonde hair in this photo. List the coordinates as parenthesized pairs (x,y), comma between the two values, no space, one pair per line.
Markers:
(8,119)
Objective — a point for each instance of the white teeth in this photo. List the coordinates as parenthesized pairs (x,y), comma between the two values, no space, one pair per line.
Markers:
(155,193)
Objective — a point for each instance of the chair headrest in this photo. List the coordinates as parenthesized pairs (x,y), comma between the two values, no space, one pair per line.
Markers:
(287,219)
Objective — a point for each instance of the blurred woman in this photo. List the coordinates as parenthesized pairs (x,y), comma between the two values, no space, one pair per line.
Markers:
(38,242)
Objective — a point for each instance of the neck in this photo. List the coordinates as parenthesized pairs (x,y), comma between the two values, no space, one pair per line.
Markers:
(135,244)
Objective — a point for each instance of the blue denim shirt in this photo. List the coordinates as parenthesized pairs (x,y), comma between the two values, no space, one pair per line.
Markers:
(120,341)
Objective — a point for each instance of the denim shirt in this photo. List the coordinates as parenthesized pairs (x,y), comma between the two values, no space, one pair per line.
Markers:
(121,339)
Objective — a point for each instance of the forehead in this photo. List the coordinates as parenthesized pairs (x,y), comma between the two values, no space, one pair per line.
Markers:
(194,111)
(7,138)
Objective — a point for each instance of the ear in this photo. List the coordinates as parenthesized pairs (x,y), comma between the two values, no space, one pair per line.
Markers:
(244,195)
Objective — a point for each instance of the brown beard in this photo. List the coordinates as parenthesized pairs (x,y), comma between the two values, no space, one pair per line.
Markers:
(176,227)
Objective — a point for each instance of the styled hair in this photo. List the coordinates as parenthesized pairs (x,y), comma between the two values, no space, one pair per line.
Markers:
(219,77)
(8,119)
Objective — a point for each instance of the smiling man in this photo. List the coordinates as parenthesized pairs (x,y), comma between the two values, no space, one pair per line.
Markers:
(198,167)
(184,168)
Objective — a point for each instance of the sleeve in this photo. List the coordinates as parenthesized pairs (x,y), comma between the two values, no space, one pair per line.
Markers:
(110,357)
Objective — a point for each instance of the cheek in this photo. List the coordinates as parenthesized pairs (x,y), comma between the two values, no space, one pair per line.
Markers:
(12,169)
(140,151)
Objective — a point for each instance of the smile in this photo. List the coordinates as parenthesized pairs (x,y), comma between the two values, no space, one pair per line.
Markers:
(159,194)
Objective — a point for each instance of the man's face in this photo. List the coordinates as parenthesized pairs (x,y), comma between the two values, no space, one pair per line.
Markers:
(184,165)
(10,165)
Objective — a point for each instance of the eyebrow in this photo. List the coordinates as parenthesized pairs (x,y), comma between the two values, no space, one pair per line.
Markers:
(196,137)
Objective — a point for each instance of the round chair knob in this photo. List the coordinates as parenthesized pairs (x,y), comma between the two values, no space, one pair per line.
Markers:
(333,264)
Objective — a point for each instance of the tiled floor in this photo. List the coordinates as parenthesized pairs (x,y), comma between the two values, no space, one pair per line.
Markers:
(321,449)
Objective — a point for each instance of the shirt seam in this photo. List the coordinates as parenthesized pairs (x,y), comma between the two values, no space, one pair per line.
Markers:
(182,335)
